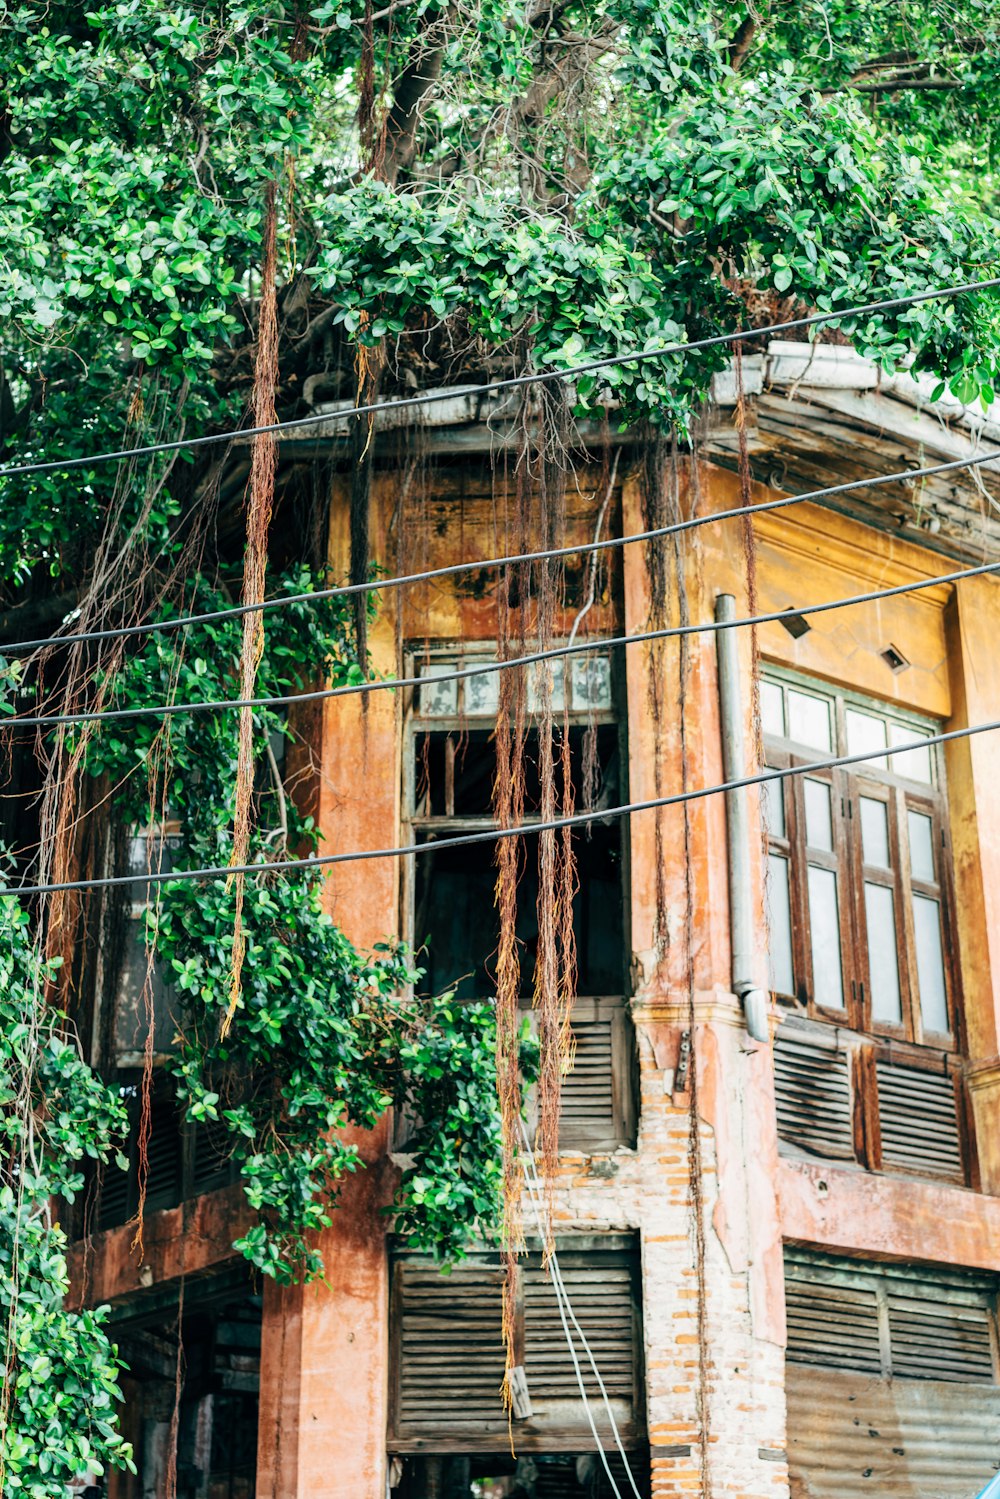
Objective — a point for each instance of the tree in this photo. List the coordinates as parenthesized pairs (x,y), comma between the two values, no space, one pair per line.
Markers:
(460,191)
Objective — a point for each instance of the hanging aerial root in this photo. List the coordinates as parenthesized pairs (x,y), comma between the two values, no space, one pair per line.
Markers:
(655,504)
(260,500)
(749,542)
(508,803)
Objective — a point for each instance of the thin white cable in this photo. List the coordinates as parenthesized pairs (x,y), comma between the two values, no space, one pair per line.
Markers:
(533,1182)
(572,1353)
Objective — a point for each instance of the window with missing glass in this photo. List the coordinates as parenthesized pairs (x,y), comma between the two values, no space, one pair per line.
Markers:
(450,768)
(859,909)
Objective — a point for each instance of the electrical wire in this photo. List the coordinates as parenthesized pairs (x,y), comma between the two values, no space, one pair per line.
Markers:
(514,382)
(610,543)
(485,668)
(493,835)
(576,1362)
(534,1185)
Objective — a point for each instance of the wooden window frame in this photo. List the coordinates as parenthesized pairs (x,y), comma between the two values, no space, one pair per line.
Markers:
(969,1289)
(901,795)
(624,1079)
(574,1249)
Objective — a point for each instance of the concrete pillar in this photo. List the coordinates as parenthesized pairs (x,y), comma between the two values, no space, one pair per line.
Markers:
(324,1356)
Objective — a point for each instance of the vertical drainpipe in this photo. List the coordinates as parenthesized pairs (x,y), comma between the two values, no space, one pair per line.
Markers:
(741,924)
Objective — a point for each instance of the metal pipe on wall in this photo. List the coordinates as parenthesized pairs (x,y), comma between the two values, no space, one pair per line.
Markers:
(741,924)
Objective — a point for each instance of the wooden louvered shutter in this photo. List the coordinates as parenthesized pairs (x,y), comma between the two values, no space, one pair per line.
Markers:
(812,1085)
(114,1202)
(918,1122)
(935,1339)
(448,1357)
(596,1109)
(921,1426)
(830,1324)
(209,1149)
(603,1294)
(447,1354)
(164,1183)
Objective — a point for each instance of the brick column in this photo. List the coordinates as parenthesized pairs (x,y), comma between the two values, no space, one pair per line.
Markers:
(744,1300)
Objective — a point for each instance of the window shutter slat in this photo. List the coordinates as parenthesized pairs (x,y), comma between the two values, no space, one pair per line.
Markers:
(933,1340)
(813,1094)
(831,1325)
(919,1122)
(588,1102)
(448,1358)
(451,1357)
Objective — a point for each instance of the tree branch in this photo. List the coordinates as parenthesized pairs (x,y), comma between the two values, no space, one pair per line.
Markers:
(742,42)
(417,79)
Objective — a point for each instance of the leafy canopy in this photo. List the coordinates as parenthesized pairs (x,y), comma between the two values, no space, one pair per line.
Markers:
(543,180)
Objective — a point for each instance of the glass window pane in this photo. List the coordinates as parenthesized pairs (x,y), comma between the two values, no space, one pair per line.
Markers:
(819,821)
(591,682)
(779,925)
(553,670)
(828,985)
(866,733)
(930,963)
(481,694)
(809,720)
(875,832)
(915,764)
(883,964)
(772,710)
(772,807)
(921,846)
(438,699)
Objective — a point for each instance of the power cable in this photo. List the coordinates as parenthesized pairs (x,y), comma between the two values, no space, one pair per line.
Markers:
(460,674)
(534,1185)
(493,835)
(610,543)
(573,1355)
(514,382)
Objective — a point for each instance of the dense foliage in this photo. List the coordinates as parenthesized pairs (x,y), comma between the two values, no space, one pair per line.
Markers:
(540,180)
(324,1036)
(60,1367)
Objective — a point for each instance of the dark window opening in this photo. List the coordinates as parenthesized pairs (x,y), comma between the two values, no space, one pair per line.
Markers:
(454,921)
(454,907)
(216,1347)
(559,1475)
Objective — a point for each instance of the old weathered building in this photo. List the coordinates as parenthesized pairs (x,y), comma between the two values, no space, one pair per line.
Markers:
(831,1329)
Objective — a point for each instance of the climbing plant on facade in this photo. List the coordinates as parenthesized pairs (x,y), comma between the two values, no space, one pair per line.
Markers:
(60,1388)
(324,1036)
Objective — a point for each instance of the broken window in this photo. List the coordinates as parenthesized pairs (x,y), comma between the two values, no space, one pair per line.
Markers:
(859,919)
(450,770)
(193,1379)
(891,1378)
(142,996)
(447,1422)
(184,1158)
